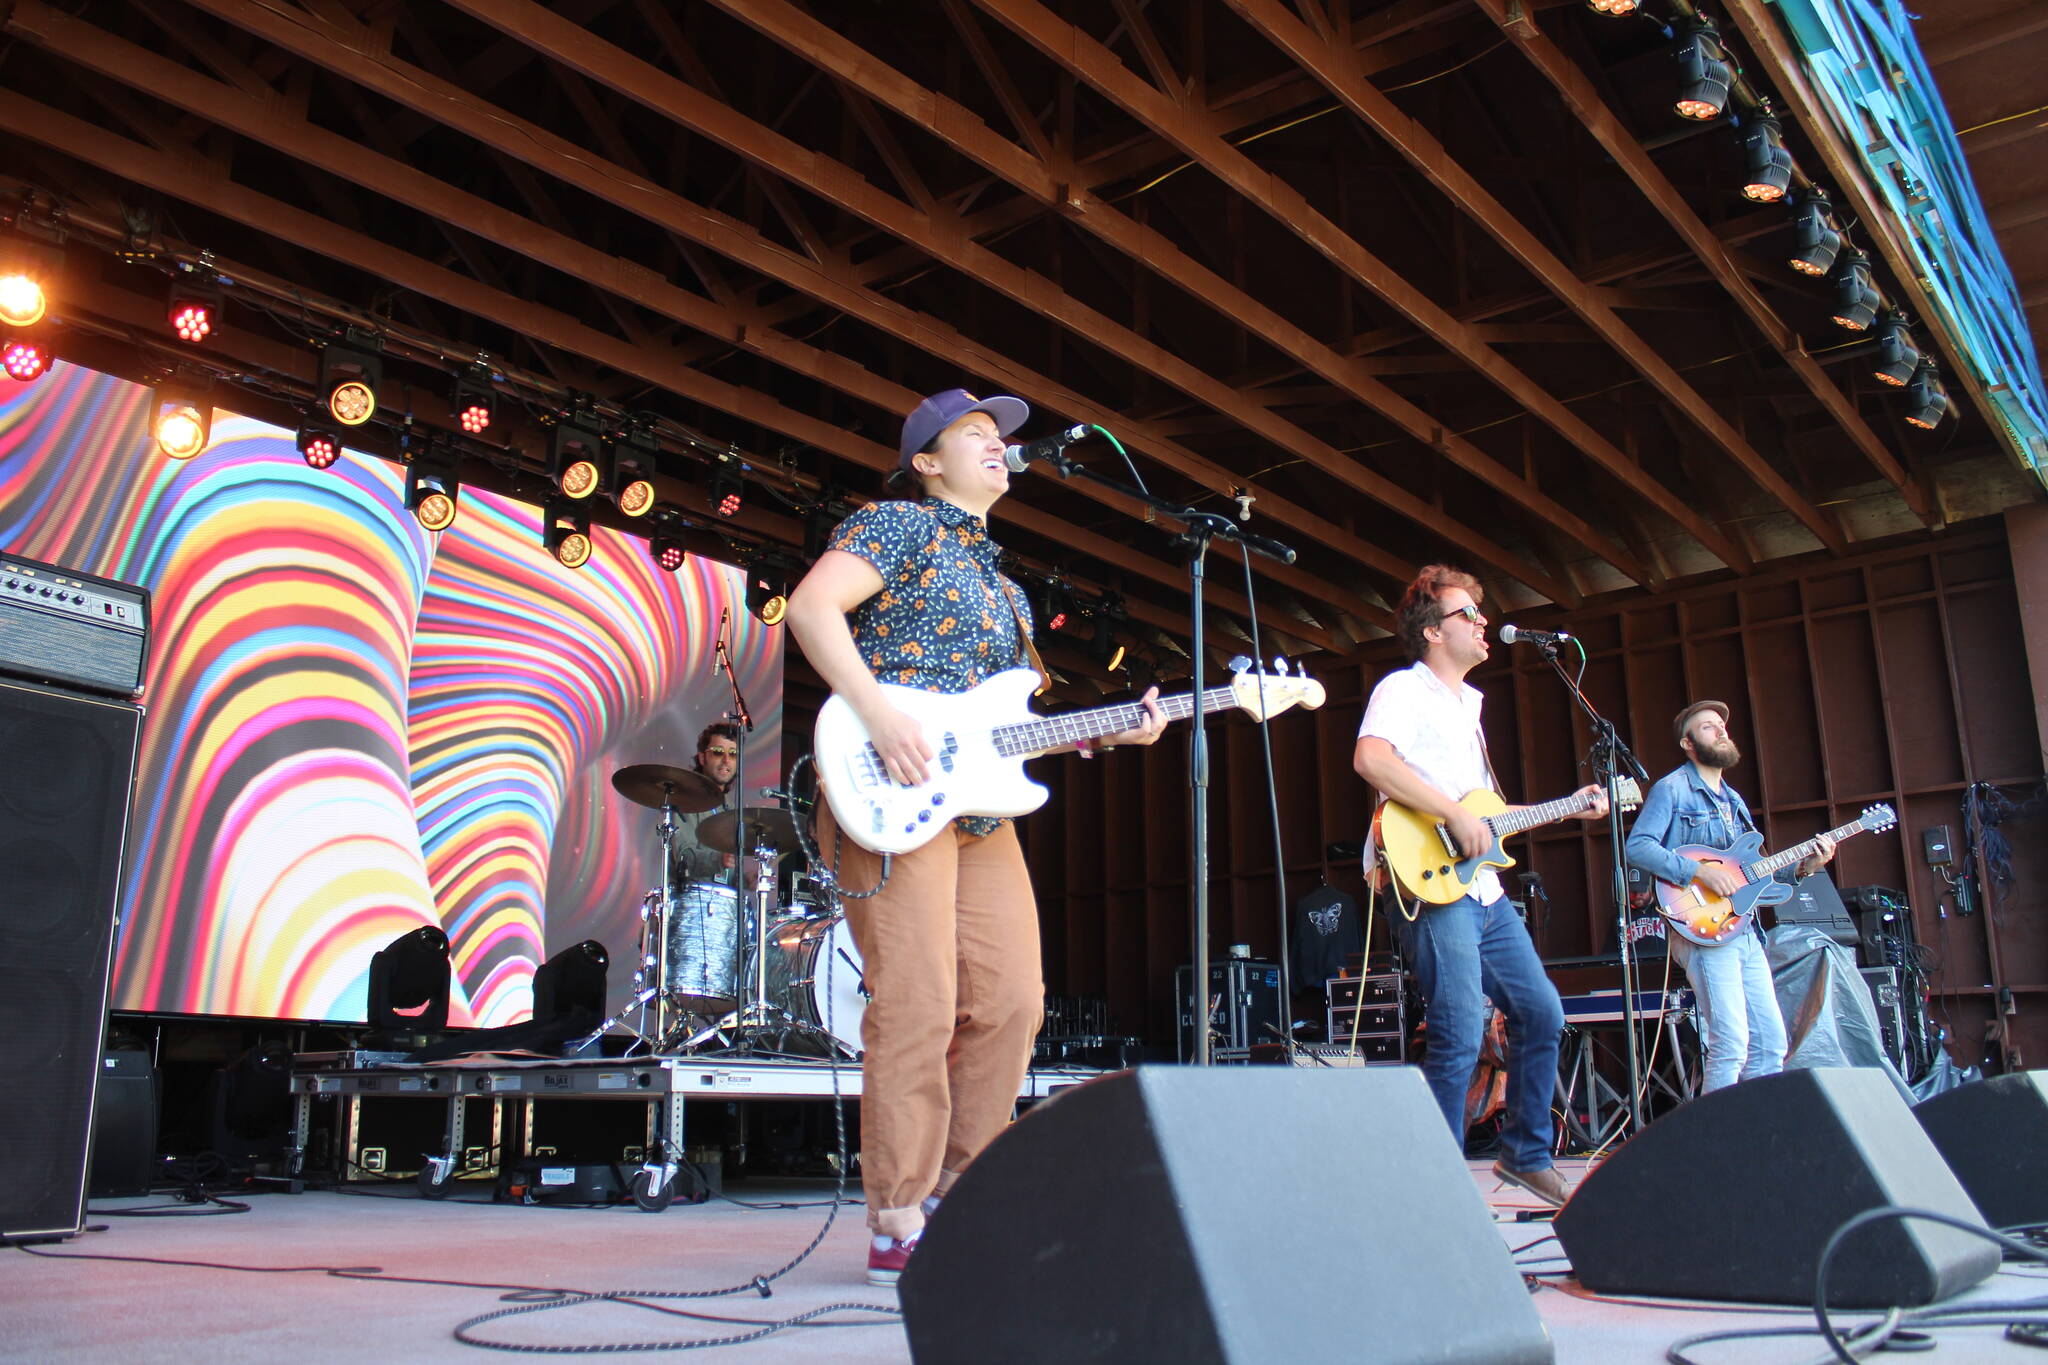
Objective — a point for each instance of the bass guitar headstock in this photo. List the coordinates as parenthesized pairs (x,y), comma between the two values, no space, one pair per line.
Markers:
(1263,694)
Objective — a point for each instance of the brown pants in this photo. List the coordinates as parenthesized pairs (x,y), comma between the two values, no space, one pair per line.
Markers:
(949,949)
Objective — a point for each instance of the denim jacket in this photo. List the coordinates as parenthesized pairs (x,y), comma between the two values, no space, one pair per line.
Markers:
(1680,809)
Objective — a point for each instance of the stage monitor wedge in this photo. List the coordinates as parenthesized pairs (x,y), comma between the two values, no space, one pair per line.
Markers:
(67,767)
(1201,1215)
(1994,1136)
(1733,1196)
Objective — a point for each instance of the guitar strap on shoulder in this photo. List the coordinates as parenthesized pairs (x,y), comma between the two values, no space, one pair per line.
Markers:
(1024,645)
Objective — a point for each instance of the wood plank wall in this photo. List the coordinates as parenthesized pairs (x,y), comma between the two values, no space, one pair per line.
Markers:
(1896,676)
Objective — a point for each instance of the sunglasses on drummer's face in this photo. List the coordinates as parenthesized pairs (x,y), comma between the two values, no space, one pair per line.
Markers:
(721,753)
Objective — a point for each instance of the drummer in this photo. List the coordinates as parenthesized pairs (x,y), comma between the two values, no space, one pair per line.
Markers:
(718,758)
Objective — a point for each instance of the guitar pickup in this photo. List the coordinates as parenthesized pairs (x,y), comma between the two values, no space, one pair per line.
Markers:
(948,750)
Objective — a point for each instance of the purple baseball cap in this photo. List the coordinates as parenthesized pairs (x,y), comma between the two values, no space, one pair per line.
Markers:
(942,409)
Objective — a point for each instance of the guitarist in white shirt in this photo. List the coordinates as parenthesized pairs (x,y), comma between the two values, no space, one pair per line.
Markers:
(1420,744)
(1693,804)
(909,593)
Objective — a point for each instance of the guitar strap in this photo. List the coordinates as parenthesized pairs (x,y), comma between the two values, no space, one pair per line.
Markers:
(1030,651)
(1024,645)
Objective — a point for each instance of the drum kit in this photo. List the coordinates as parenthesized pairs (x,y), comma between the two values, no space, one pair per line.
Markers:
(739,966)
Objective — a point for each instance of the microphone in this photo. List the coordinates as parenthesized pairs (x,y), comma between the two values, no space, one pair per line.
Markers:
(1509,634)
(1044,448)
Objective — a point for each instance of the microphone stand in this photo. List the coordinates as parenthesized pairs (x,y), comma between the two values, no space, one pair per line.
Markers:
(1202,527)
(1609,756)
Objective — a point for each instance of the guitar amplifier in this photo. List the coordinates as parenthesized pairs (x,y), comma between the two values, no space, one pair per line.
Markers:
(1368,1014)
(72,629)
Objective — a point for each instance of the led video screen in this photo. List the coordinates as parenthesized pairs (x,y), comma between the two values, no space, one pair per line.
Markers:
(357,727)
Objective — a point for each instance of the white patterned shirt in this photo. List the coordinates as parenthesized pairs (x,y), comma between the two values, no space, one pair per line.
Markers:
(1436,732)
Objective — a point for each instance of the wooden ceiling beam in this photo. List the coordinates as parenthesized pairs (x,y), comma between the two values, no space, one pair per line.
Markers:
(1606,128)
(96,49)
(1433,161)
(1047,183)
(945,239)
(1193,133)
(189,177)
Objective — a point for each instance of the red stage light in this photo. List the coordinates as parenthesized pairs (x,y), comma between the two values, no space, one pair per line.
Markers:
(476,417)
(191,321)
(24,360)
(669,554)
(319,448)
(1059,618)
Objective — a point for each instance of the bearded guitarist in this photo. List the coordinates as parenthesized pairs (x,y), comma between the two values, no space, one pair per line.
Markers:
(1420,745)
(1694,804)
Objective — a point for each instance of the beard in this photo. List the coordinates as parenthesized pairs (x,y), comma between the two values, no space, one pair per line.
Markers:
(1723,755)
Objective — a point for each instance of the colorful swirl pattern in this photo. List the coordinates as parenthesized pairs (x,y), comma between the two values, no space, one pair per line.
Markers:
(357,727)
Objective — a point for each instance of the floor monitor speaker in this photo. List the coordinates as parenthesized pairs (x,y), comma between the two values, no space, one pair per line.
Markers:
(67,764)
(1994,1136)
(1733,1196)
(1199,1215)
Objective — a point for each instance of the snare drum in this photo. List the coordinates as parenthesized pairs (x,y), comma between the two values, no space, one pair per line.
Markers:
(704,937)
(805,956)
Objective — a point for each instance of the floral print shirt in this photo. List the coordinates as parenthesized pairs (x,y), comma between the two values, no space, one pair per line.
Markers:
(944,619)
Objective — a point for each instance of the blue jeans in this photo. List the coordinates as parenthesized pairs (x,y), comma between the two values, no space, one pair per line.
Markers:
(1738,1005)
(1463,953)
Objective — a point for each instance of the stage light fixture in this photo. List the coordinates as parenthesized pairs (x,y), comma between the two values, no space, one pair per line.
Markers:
(1815,240)
(1612,6)
(350,371)
(193,309)
(1104,647)
(431,491)
(1856,298)
(726,490)
(24,359)
(667,551)
(28,269)
(1059,606)
(475,401)
(1926,399)
(768,589)
(819,524)
(410,984)
(635,458)
(1703,72)
(1769,172)
(319,446)
(566,533)
(1898,359)
(22,300)
(575,450)
(184,427)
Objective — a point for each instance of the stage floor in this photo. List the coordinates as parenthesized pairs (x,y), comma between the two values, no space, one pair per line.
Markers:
(79,1310)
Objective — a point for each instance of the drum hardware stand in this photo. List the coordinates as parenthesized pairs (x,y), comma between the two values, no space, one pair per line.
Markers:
(758,1027)
(654,922)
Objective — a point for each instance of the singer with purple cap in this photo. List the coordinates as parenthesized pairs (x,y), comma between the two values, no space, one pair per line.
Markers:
(909,592)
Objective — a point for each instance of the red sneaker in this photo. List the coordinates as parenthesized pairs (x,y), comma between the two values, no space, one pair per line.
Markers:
(886,1258)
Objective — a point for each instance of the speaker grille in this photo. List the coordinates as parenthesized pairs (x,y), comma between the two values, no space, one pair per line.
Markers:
(67,765)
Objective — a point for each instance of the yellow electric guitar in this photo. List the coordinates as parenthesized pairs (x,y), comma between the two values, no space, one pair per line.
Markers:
(1430,867)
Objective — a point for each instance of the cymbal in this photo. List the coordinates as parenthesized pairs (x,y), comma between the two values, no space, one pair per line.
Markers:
(765,825)
(686,789)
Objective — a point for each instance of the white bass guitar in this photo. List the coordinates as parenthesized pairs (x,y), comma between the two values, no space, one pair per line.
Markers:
(980,739)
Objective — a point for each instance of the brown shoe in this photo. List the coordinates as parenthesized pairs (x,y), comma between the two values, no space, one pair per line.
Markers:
(1545,1184)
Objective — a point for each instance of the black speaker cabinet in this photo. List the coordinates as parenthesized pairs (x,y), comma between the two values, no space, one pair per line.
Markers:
(124,1114)
(67,764)
(1994,1136)
(1733,1195)
(1204,1215)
